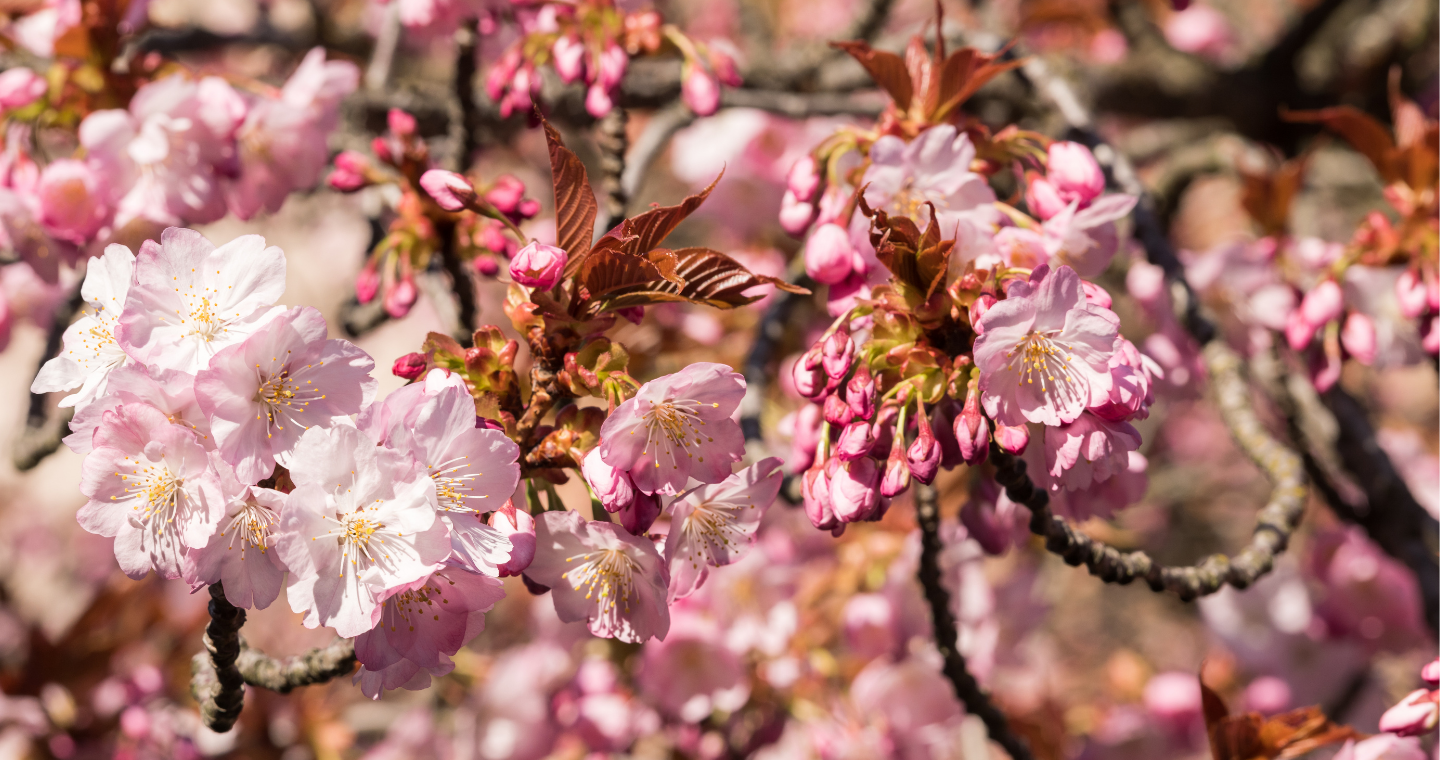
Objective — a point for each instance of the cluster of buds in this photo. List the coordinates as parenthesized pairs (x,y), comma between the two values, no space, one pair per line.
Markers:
(434,205)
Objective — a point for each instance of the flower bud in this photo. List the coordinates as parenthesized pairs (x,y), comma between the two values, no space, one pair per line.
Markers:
(1415,715)
(1096,294)
(810,382)
(367,283)
(1358,337)
(854,489)
(1430,674)
(410,366)
(613,63)
(451,191)
(829,256)
(1298,331)
(1074,173)
(837,354)
(981,305)
(401,296)
(71,195)
(612,487)
(19,87)
(897,472)
(486,266)
(401,124)
(538,266)
(803,179)
(1324,304)
(837,412)
(569,54)
(349,174)
(518,526)
(700,91)
(972,431)
(1042,198)
(597,101)
(860,393)
(923,456)
(815,493)
(1012,439)
(856,441)
(795,215)
(1410,292)
(640,514)
(507,195)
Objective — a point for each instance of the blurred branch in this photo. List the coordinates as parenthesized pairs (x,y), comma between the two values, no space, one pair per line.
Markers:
(464,131)
(662,126)
(44,429)
(613,142)
(219,674)
(377,74)
(975,700)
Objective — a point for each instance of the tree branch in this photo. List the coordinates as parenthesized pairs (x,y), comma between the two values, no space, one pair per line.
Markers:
(976,701)
(43,430)
(613,142)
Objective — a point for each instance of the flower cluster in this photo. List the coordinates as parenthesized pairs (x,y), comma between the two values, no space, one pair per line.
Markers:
(229,440)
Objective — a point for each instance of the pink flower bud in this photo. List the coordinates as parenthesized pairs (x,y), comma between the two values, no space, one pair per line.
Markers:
(538,266)
(972,430)
(809,383)
(401,297)
(837,412)
(1324,304)
(838,352)
(410,366)
(1430,335)
(803,179)
(451,191)
(19,87)
(1267,695)
(367,284)
(1198,29)
(613,63)
(640,514)
(1410,292)
(1096,294)
(1298,331)
(855,490)
(518,526)
(1415,715)
(72,201)
(1430,674)
(1012,439)
(884,427)
(795,215)
(923,456)
(1043,199)
(487,266)
(1074,173)
(569,54)
(977,310)
(597,100)
(700,91)
(1174,699)
(612,487)
(135,722)
(897,472)
(829,256)
(855,441)
(401,124)
(860,393)
(507,195)
(1358,337)
(724,67)
(815,493)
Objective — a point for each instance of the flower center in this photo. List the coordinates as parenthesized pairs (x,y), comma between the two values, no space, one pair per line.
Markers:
(252,526)
(282,397)
(677,424)
(711,526)
(1040,357)
(356,535)
(407,607)
(452,484)
(156,492)
(608,574)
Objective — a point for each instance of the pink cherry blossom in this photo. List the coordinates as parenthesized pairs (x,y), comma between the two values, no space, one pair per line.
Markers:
(700,91)
(933,168)
(451,191)
(1382,747)
(170,391)
(46,22)
(692,673)
(538,266)
(829,257)
(599,573)
(677,427)
(519,527)
(713,525)
(150,486)
(360,524)
(73,203)
(242,554)
(613,487)
(263,394)
(855,489)
(19,87)
(191,300)
(91,350)
(421,624)
(1415,715)
(1086,239)
(1044,355)
(1088,450)
(1074,172)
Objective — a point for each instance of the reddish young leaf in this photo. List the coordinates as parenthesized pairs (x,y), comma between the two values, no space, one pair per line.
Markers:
(924,74)
(575,206)
(667,264)
(1252,736)
(646,231)
(1267,196)
(962,75)
(887,69)
(1358,128)
(711,278)
(607,271)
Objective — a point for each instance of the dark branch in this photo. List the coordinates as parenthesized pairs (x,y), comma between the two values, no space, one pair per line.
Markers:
(613,142)
(976,701)
(43,429)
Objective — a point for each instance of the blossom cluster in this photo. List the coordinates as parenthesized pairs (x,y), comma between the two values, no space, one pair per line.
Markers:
(229,440)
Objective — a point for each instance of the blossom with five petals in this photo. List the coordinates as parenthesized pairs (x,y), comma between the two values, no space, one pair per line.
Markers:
(242,554)
(91,350)
(713,525)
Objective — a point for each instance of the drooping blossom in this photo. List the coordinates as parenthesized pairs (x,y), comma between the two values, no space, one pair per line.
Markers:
(474,469)
(170,391)
(91,351)
(601,574)
(360,524)
(242,554)
(421,625)
(1415,715)
(191,300)
(263,394)
(1089,450)
(1044,353)
(1086,239)
(149,485)
(713,525)
(677,427)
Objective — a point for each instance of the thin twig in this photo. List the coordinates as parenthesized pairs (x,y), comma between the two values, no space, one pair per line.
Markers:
(43,429)
(976,701)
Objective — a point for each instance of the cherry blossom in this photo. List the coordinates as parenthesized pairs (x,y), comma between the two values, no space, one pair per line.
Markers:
(91,350)
(242,554)
(1088,450)
(934,168)
(599,573)
(170,391)
(360,524)
(713,525)
(262,395)
(685,419)
(1044,353)
(150,485)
